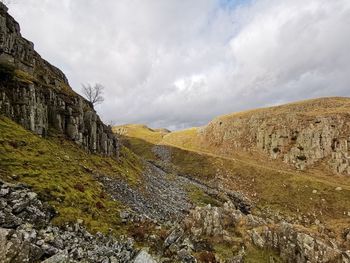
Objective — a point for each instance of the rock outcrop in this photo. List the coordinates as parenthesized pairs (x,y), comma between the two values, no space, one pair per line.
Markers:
(301,134)
(26,234)
(213,221)
(226,224)
(295,246)
(37,95)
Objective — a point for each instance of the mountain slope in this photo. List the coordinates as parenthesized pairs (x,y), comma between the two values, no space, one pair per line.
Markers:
(270,185)
(61,173)
(228,153)
(309,199)
(189,196)
(302,134)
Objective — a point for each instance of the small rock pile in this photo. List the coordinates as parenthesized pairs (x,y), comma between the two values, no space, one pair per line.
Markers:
(18,205)
(27,236)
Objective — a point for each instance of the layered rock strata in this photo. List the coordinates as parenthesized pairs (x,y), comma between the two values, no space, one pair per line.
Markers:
(37,95)
(300,136)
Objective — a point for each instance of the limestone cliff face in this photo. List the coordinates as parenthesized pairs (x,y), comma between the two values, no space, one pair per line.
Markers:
(37,95)
(301,134)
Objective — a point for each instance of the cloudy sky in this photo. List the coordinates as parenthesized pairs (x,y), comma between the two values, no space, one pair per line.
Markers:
(179,63)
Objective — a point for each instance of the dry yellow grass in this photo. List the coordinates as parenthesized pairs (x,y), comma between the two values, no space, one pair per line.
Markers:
(188,139)
(311,107)
(271,184)
(141,131)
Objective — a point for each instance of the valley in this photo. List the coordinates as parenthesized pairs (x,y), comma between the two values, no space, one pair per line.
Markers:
(267,185)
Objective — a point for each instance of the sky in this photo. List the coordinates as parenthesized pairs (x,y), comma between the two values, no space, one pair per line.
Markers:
(180,63)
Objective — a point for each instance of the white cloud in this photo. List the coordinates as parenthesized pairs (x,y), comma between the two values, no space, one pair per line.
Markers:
(180,63)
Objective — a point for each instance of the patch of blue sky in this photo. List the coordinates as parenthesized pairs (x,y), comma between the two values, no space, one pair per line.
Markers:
(232,4)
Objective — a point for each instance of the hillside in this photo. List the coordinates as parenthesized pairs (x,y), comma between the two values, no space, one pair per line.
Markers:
(266,185)
(264,181)
(305,134)
(61,173)
(227,152)
(127,198)
(212,154)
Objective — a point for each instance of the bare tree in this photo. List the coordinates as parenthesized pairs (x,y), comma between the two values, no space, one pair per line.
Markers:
(93,93)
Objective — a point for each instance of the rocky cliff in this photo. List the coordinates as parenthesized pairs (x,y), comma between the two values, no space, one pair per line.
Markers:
(301,134)
(37,95)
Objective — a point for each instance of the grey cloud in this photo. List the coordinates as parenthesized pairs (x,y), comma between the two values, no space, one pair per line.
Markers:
(180,63)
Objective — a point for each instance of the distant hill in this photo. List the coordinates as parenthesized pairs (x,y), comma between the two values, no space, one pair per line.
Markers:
(302,134)
(290,160)
(265,185)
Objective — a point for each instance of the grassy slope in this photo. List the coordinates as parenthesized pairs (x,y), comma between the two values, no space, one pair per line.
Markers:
(271,185)
(148,137)
(140,130)
(60,172)
(187,139)
(277,185)
(191,138)
(311,107)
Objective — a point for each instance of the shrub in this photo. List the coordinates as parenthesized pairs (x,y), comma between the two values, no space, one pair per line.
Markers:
(99,205)
(80,187)
(207,257)
(276,150)
(138,233)
(301,157)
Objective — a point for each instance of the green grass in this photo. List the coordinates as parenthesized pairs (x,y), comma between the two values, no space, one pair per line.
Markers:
(255,255)
(140,147)
(268,184)
(22,76)
(200,198)
(140,138)
(11,76)
(224,251)
(61,172)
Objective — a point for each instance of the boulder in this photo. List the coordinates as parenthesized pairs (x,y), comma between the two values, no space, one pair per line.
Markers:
(144,257)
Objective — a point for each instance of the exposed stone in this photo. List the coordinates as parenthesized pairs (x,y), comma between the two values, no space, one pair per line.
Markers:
(61,257)
(240,257)
(294,136)
(175,235)
(296,246)
(185,256)
(162,198)
(257,239)
(346,257)
(47,101)
(212,221)
(32,238)
(144,257)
